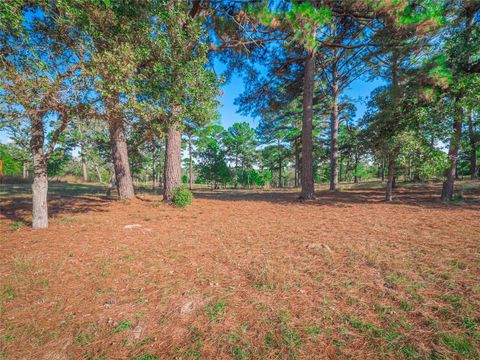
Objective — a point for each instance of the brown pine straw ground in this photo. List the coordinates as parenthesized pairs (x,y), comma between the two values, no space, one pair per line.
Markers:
(231,277)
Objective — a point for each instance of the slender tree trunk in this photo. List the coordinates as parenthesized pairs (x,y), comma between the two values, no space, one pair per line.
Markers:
(161,167)
(297,164)
(448,184)
(99,175)
(383,170)
(40,180)
(154,167)
(25,169)
(173,166)
(334,133)
(120,158)
(340,168)
(190,161)
(308,186)
(84,167)
(390,180)
(355,178)
(473,146)
(280,165)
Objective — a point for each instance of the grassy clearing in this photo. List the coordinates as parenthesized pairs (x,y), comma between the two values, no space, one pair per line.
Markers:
(215,281)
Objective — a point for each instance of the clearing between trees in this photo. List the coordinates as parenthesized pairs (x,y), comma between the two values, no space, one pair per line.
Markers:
(244,274)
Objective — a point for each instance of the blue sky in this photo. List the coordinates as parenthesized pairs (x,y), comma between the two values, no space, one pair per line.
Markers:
(359,91)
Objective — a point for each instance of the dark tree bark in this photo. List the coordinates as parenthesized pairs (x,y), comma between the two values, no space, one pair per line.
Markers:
(334,133)
(473,146)
(120,158)
(40,180)
(448,184)
(390,180)
(173,166)
(308,186)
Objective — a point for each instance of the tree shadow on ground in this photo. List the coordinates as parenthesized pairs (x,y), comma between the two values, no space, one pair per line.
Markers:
(19,209)
(422,196)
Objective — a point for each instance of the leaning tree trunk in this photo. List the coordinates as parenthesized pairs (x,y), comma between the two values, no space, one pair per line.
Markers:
(173,166)
(40,180)
(448,184)
(334,134)
(390,180)
(120,159)
(308,187)
(473,147)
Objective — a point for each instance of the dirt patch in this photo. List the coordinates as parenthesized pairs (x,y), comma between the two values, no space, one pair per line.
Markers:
(232,277)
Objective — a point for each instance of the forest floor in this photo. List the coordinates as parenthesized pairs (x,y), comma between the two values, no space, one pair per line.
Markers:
(242,275)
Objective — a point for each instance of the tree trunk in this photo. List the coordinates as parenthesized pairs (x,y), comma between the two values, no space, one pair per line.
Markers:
(154,167)
(390,180)
(473,146)
(161,166)
(190,170)
(40,180)
(297,164)
(355,177)
(334,133)
(280,165)
(236,169)
(383,170)
(448,184)
(99,175)
(173,166)
(25,169)
(308,187)
(120,158)
(84,167)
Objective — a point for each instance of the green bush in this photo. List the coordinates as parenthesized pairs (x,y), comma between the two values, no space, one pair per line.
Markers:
(182,196)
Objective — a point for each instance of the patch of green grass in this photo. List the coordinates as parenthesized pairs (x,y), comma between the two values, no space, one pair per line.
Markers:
(8,338)
(146,357)
(454,300)
(195,343)
(361,326)
(396,278)
(405,306)
(240,354)
(8,294)
(122,326)
(458,264)
(17,225)
(459,344)
(216,311)
(284,336)
(86,336)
